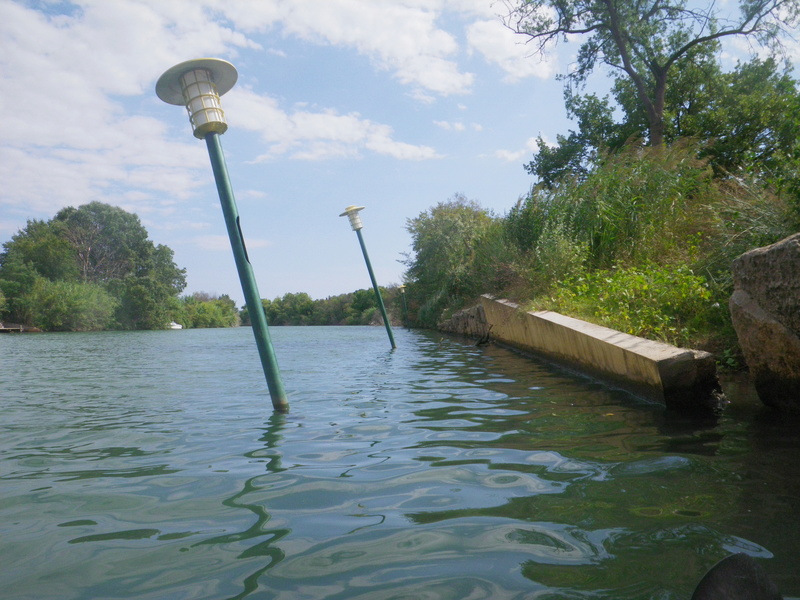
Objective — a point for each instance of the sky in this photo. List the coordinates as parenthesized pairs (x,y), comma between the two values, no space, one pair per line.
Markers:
(394,105)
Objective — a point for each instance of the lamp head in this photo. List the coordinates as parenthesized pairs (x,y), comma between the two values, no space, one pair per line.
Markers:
(197,85)
(355,219)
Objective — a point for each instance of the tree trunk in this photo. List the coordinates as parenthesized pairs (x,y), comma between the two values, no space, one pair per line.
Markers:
(656,115)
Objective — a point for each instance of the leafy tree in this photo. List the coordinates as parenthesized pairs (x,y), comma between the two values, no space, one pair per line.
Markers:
(573,154)
(109,243)
(291,309)
(94,244)
(68,306)
(447,241)
(747,120)
(146,290)
(332,310)
(43,246)
(355,308)
(202,310)
(645,41)
(753,123)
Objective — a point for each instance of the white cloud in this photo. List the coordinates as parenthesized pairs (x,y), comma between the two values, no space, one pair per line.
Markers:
(531,147)
(457,126)
(450,125)
(78,84)
(307,135)
(502,47)
(400,36)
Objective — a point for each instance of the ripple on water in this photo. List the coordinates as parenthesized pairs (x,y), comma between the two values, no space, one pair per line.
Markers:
(150,465)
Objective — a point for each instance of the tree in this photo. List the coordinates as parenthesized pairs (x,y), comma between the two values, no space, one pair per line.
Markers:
(43,246)
(201,310)
(447,241)
(645,39)
(68,306)
(109,243)
(93,245)
(573,154)
(746,121)
(291,309)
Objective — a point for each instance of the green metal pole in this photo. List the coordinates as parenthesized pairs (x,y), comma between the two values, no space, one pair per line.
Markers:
(377,290)
(251,295)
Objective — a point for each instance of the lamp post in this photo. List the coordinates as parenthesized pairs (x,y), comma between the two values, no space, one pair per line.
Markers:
(198,85)
(405,305)
(355,222)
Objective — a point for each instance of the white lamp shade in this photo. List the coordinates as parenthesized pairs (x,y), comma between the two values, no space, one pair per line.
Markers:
(355,219)
(198,85)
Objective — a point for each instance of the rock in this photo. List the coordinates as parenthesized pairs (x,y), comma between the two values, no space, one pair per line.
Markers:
(765,309)
(470,322)
(737,577)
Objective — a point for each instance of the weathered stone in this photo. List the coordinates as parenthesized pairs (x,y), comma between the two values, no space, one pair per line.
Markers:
(771,277)
(681,379)
(765,309)
(470,322)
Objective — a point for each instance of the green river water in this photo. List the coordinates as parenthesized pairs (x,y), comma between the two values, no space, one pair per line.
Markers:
(150,465)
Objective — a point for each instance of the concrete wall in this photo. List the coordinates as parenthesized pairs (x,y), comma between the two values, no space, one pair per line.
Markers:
(677,377)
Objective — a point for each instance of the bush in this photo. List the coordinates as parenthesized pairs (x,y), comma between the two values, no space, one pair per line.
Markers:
(672,305)
(67,306)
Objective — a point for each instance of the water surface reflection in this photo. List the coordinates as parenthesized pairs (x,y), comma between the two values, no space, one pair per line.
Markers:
(149,465)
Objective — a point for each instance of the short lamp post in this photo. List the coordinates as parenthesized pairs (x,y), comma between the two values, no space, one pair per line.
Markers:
(198,85)
(355,222)
(405,305)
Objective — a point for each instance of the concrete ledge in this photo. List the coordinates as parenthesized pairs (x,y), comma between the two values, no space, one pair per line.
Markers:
(677,377)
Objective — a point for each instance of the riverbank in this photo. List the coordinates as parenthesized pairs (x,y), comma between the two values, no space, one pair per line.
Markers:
(681,379)
(17,328)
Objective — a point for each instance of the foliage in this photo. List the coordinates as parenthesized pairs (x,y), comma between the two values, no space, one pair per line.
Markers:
(202,310)
(635,206)
(291,309)
(665,303)
(355,308)
(95,246)
(744,122)
(646,42)
(68,306)
(457,253)
(108,242)
(643,243)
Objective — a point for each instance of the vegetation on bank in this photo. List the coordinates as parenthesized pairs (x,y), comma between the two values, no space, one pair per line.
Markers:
(636,237)
(354,308)
(643,244)
(87,269)
(93,268)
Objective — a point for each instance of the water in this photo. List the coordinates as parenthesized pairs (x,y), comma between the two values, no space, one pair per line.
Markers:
(150,465)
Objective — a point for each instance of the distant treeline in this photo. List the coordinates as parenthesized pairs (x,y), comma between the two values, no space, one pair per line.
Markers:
(93,268)
(355,308)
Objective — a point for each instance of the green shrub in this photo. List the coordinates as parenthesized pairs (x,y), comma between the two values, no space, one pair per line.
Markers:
(68,306)
(670,304)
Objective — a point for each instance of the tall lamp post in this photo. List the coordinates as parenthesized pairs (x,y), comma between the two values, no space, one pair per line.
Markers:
(198,85)
(355,222)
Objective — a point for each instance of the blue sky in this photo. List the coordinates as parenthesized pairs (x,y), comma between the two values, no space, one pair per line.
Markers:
(395,105)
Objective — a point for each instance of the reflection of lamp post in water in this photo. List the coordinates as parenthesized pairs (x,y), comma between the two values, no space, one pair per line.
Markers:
(355,222)
(197,85)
